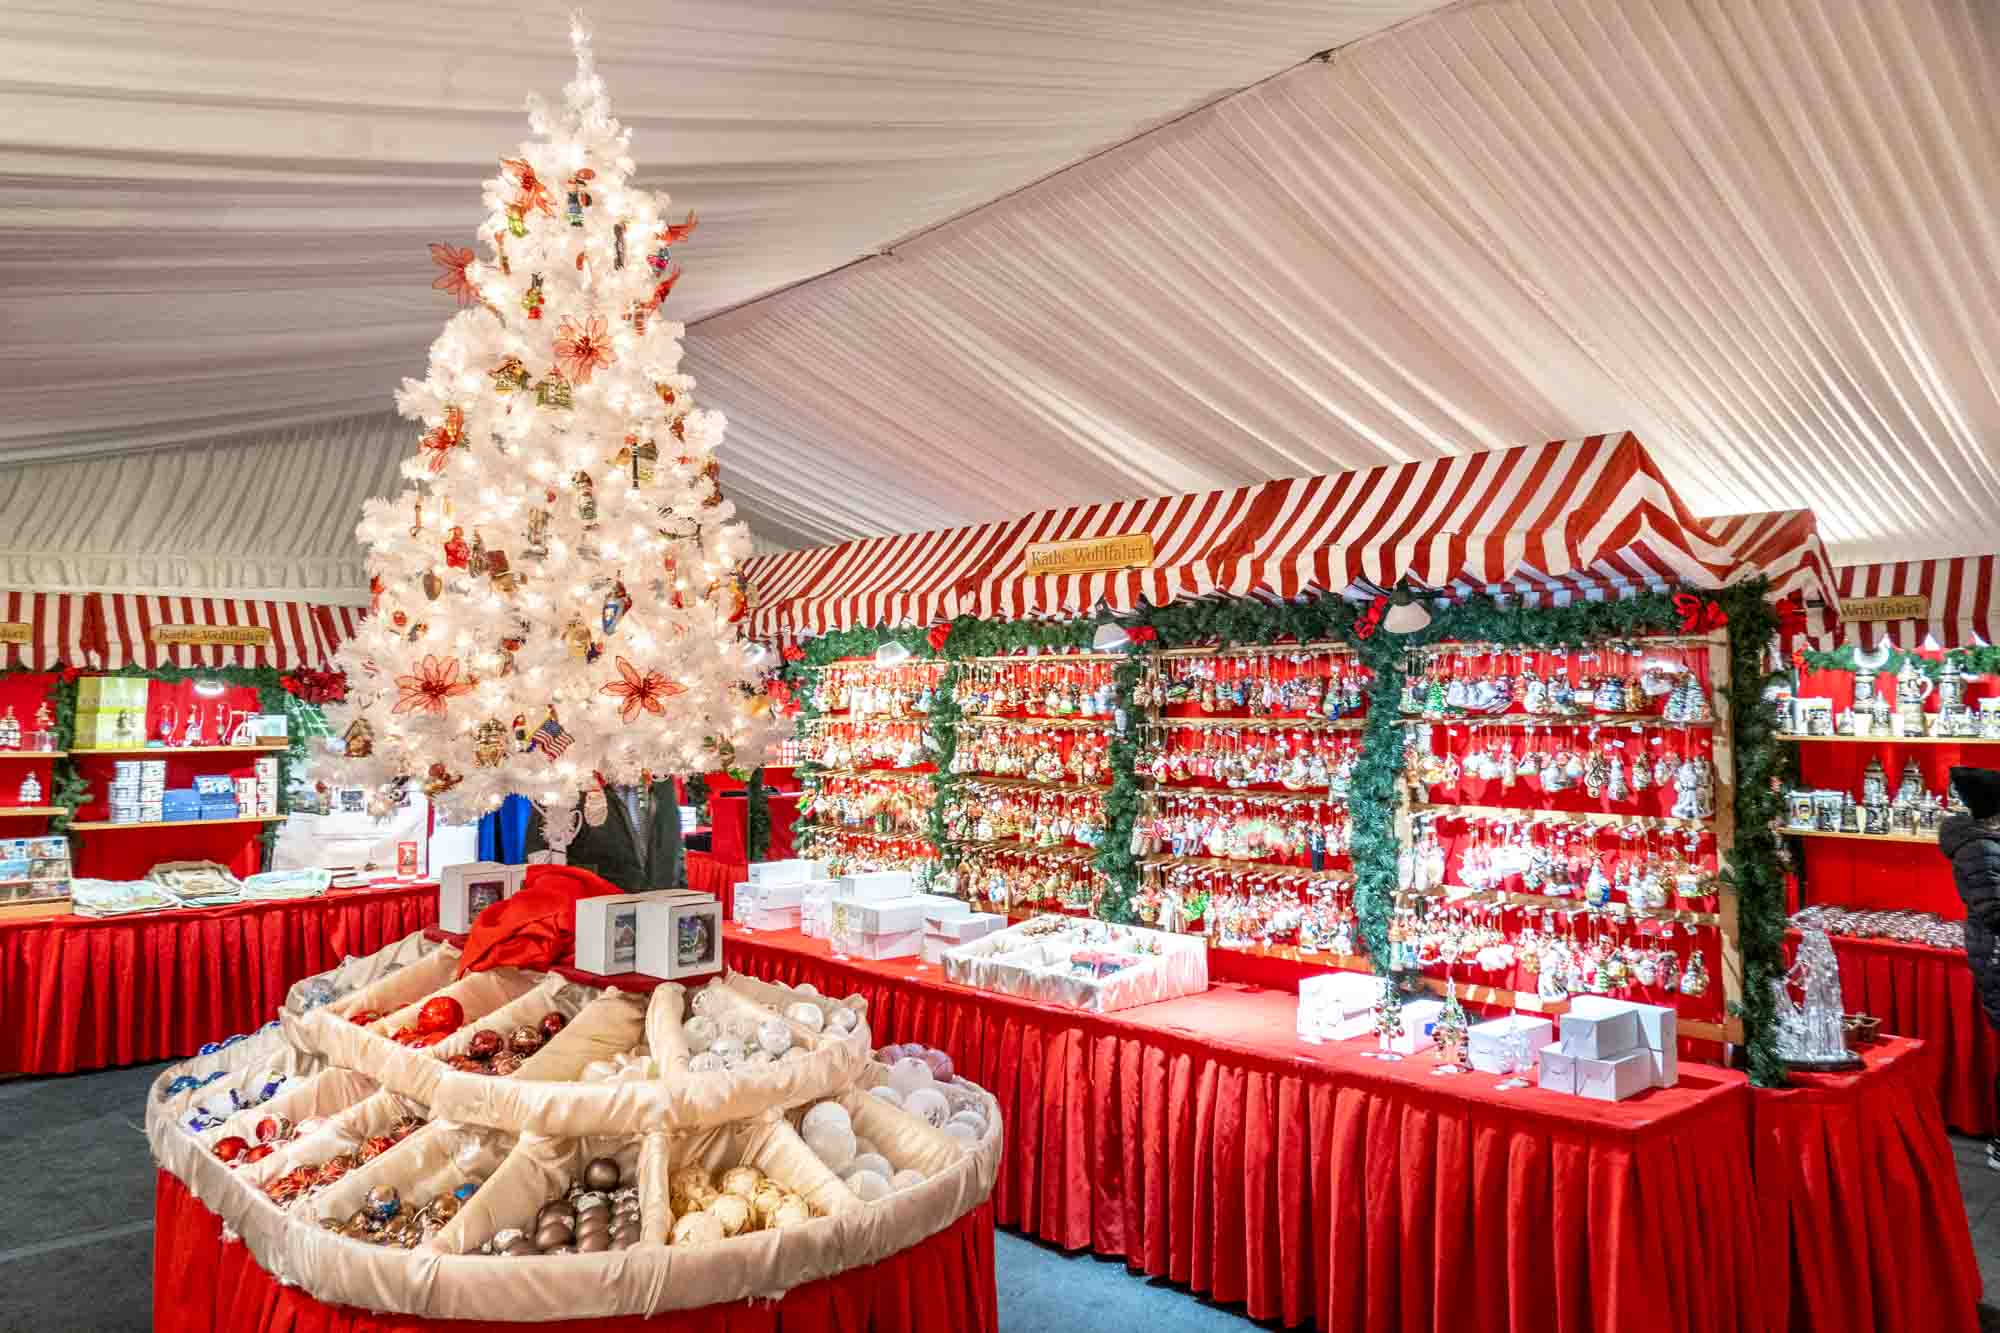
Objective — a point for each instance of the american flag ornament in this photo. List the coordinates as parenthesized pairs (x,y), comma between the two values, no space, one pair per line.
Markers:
(550,738)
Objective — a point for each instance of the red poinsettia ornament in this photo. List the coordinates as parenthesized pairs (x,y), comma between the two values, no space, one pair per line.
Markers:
(582,347)
(454,280)
(641,691)
(434,683)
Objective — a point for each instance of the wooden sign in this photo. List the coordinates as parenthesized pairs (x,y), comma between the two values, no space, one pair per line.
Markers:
(1913,607)
(248,636)
(16,631)
(1091,554)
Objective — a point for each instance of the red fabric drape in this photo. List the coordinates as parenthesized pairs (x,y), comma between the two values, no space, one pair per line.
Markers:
(1860,1220)
(78,993)
(1918,991)
(709,874)
(1200,1141)
(536,927)
(202,1284)
(729,819)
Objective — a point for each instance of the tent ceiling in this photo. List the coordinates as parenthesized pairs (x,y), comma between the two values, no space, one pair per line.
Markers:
(1759,235)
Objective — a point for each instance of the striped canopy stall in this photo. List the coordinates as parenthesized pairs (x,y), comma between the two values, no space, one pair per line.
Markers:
(45,630)
(214,631)
(1590,517)
(1957,608)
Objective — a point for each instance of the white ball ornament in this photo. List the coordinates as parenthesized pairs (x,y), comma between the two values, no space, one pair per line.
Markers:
(873,1161)
(908,1074)
(806,988)
(928,1103)
(700,1032)
(759,1057)
(887,1094)
(699,1228)
(844,1019)
(739,1028)
(727,1049)
(961,1131)
(707,1001)
(826,1113)
(868,1186)
(833,1144)
(775,1036)
(862,1145)
(708,1062)
(808,1016)
(905,1178)
(972,1120)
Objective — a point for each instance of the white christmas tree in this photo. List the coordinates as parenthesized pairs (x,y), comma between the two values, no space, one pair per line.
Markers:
(555,597)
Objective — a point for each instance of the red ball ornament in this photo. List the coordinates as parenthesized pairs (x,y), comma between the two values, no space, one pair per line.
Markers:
(552,1024)
(403,1036)
(231,1148)
(423,1039)
(365,1017)
(273,1129)
(486,1043)
(259,1153)
(441,1013)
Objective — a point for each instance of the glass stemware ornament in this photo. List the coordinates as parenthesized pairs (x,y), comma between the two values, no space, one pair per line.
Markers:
(1515,1056)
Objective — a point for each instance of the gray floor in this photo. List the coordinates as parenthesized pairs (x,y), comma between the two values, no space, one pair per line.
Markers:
(76,1245)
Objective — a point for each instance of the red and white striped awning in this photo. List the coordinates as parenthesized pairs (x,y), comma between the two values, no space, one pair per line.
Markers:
(214,631)
(59,629)
(1590,517)
(1960,612)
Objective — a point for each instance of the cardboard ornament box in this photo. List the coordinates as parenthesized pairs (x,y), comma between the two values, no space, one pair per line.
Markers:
(1488,1044)
(469,888)
(1335,1006)
(680,935)
(607,931)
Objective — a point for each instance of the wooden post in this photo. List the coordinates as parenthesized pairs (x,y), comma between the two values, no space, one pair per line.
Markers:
(1719,677)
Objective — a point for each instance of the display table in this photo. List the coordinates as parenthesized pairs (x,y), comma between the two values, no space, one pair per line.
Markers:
(205,1284)
(1199,1140)
(1918,991)
(1859,1212)
(89,993)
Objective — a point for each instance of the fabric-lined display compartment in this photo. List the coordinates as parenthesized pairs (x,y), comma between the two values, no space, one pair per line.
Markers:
(370,1196)
(1082,963)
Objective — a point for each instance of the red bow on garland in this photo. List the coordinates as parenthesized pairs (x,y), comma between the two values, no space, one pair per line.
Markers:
(316,687)
(791,652)
(70,674)
(1142,634)
(1798,659)
(1791,610)
(1697,616)
(1371,619)
(937,636)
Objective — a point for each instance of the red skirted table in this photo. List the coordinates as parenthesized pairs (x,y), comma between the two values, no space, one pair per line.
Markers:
(1199,1140)
(1860,1222)
(205,1284)
(1918,991)
(88,993)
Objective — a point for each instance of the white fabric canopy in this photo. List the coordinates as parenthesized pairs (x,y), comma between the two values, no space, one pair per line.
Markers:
(1760,235)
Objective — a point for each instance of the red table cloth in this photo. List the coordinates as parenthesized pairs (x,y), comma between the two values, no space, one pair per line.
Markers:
(1918,991)
(86,993)
(729,818)
(1860,1223)
(204,1284)
(1201,1141)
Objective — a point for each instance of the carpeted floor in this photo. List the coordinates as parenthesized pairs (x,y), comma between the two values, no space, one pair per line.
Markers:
(76,1246)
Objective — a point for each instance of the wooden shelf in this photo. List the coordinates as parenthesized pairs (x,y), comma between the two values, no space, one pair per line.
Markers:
(1015,847)
(1454,893)
(176,823)
(1317,796)
(165,751)
(33,754)
(1033,784)
(1927,839)
(28,811)
(1894,740)
(1551,720)
(1035,720)
(30,908)
(1604,818)
(1269,869)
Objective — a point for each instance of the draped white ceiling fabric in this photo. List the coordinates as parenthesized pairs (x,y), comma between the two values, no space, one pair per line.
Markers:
(1760,233)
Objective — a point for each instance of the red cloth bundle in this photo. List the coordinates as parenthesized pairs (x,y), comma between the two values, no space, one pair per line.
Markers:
(536,928)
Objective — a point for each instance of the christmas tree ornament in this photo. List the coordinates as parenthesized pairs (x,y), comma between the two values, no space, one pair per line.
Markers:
(489,744)
(1451,1032)
(456,552)
(1388,1020)
(510,376)
(31,790)
(596,807)
(616,603)
(10,730)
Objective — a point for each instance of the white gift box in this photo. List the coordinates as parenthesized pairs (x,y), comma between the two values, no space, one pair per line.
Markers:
(885,916)
(877,885)
(680,934)
(607,932)
(752,897)
(769,918)
(959,927)
(934,947)
(891,944)
(1557,1070)
(1659,1031)
(1615,1079)
(467,889)
(1603,1033)
(1334,1006)
(1419,1017)
(816,919)
(794,871)
(1488,1043)
(943,905)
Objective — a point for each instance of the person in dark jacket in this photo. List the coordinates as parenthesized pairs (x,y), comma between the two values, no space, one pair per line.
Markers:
(638,846)
(1972,842)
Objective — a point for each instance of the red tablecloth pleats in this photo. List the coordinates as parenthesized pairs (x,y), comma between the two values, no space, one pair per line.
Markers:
(1201,1142)
(1861,1225)
(1918,991)
(729,826)
(83,993)
(203,1284)
(708,873)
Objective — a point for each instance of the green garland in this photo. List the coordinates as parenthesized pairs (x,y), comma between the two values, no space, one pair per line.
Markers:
(1757,864)
(697,792)
(1115,859)
(757,818)
(1971,661)
(943,733)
